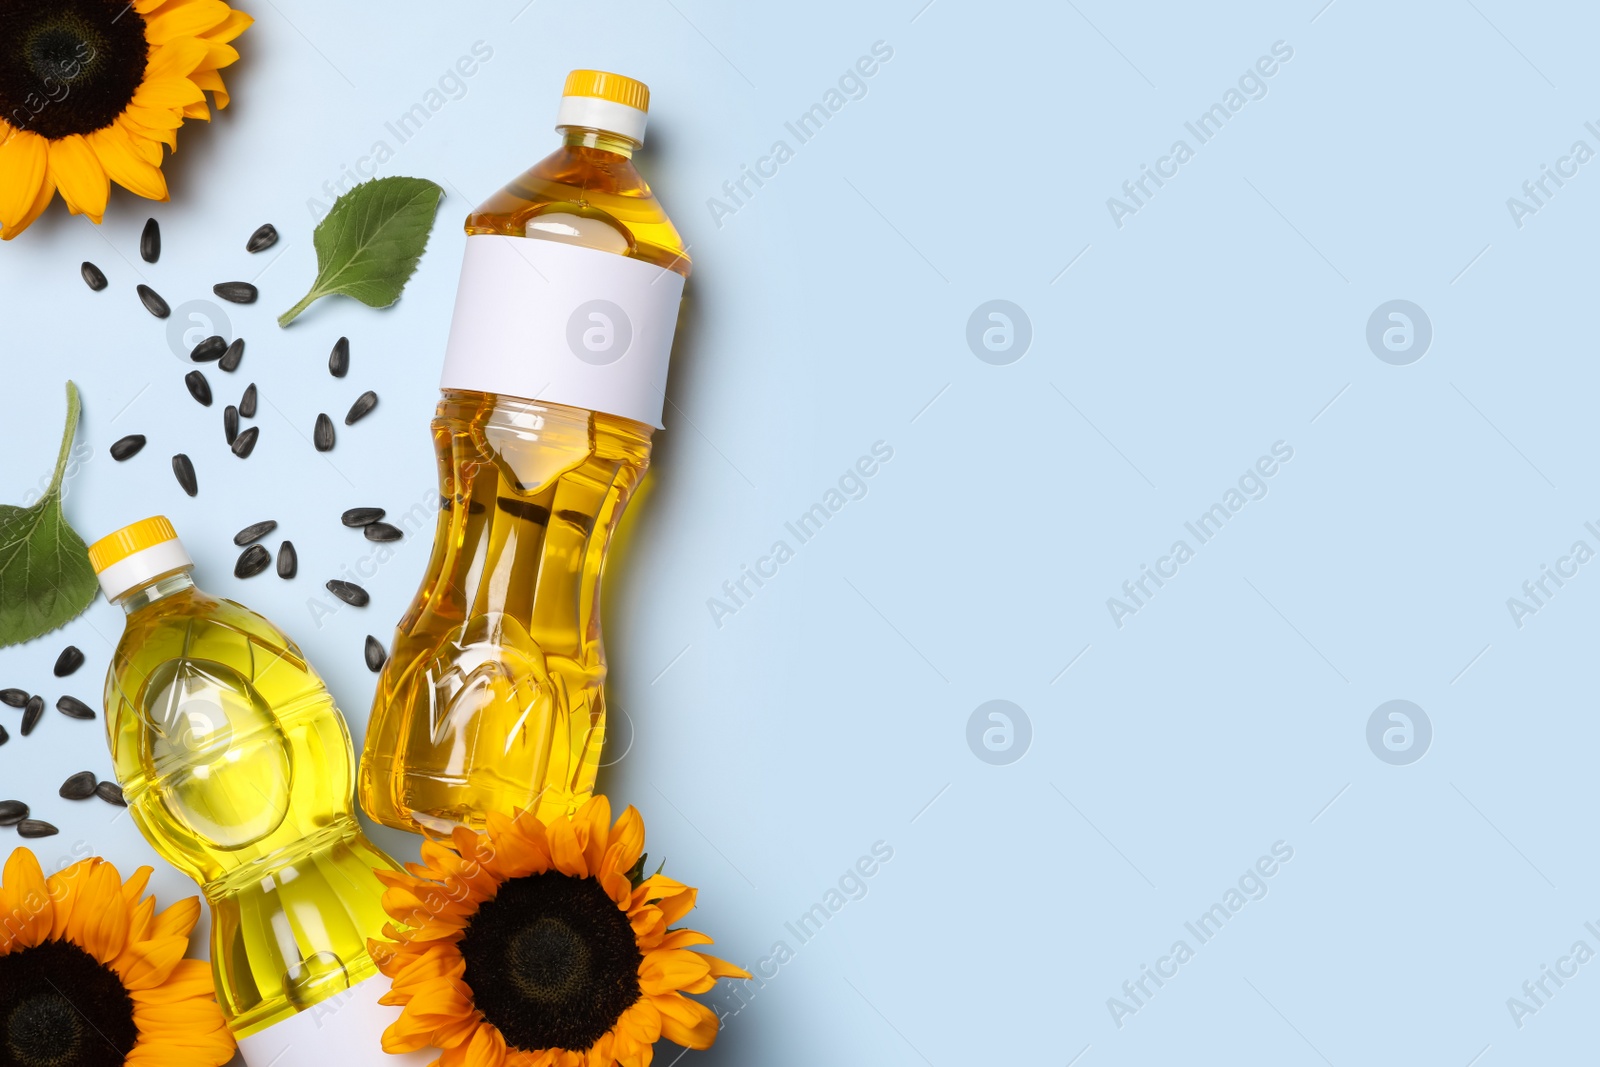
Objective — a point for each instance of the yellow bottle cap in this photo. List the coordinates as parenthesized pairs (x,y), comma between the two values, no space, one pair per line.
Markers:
(118,545)
(607,86)
(600,100)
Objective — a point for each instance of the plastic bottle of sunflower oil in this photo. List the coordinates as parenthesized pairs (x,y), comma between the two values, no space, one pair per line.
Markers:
(553,382)
(238,770)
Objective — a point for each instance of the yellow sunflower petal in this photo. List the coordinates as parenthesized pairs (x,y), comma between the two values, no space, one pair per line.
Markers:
(641,1022)
(486,1049)
(24,161)
(152,118)
(168,93)
(102,930)
(177,920)
(80,177)
(25,894)
(126,164)
(687,1022)
(185,20)
(668,970)
(229,28)
(188,979)
(176,59)
(150,963)
(65,887)
(566,847)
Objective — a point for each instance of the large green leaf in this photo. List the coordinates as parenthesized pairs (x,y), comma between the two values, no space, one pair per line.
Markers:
(369,244)
(45,577)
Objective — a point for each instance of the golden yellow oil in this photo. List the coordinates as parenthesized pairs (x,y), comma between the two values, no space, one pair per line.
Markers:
(238,769)
(492,697)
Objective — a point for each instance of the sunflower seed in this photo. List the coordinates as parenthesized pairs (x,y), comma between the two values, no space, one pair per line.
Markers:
(322,435)
(4,736)
(199,388)
(36,828)
(79,787)
(209,350)
(339,358)
(247,403)
(111,793)
(153,303)
(381,531)
(92,276)
(15,698)
(231,358)
(375,654)
(361,516)
(127,447)
(150,242)
(288,560)
(230,423)
(264,238)
(252,561)
(12,812)
(364,404)
(71,659)
(254,532)
(32,712)
(349,592)
(73,708)
(246,442)
(183,470)
(236,292)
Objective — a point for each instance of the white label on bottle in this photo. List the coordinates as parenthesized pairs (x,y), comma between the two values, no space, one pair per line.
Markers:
(346,1029)
(565,324)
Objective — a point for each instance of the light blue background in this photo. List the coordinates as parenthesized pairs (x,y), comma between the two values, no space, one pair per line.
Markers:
(830,313)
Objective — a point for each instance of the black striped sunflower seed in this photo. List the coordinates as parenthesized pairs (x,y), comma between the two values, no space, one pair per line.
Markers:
(12,812)
(252,561)
(209,350)
(349,592)
(93,277)
(361,516)
(32,712)
(288,560)
(322,435)
(363,405)
(254,532)
(36,828)
(183,470)
(15,698)
(152,302)
(199,388)
(245,443)
(236,292)
(247,403)
(73,708)
(127,447)
(265,237)
(79,787)
(71,659)
(111,793)
(230,423)
(235,353)
(339,358)
(150,242)
(375,654)
(381,531)
(4,735)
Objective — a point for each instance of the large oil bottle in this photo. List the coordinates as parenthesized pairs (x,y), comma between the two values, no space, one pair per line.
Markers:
(554,381)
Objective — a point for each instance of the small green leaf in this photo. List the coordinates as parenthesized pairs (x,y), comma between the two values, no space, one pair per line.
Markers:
(45,577)
(369,244)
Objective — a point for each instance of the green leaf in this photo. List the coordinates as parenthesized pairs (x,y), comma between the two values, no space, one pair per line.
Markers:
(45,577)
(369,244)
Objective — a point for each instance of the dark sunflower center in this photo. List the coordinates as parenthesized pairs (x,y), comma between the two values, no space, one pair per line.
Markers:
(59,1007)
(552,962)
(69,66)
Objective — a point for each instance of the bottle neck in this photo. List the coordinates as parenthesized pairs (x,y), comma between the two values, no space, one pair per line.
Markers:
(605,141)
(157,589)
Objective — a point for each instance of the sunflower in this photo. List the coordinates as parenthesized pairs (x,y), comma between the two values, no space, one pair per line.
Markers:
(539,944)
(91,976)
(91,89)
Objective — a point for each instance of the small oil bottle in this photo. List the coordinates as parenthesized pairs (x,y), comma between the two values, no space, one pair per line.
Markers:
(238,770)
(554,381)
